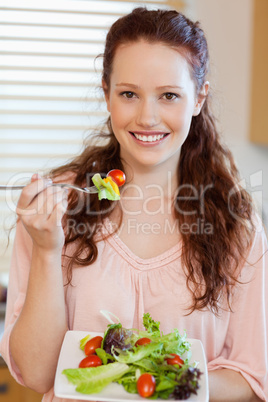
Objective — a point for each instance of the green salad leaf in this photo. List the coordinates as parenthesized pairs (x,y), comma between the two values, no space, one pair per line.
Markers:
(138,353)
(151,326)
(84,341)
(107,188)
(89,381)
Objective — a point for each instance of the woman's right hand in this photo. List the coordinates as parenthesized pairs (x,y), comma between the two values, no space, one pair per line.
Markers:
(41,208)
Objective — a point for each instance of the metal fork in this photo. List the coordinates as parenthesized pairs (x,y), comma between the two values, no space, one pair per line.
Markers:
(89,190)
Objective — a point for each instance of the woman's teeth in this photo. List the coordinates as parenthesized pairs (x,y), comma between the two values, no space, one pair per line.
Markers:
(149,138)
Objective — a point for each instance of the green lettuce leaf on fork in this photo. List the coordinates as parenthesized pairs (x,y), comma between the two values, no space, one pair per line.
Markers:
(94,379)
(107,188)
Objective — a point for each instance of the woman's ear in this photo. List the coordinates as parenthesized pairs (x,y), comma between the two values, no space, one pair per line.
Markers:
(201,98)
(106,94)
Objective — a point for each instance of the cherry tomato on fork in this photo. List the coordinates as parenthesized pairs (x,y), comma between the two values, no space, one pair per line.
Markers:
(146,385)
(117,176)
(143,341)
(92,345)
(90,361)
(175,360)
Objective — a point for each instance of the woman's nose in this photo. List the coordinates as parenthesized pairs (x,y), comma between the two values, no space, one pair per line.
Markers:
(147,115)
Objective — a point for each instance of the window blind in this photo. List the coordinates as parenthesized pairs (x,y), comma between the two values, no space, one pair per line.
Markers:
(50,95)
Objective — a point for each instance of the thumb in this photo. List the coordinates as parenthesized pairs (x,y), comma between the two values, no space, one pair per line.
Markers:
(35,177)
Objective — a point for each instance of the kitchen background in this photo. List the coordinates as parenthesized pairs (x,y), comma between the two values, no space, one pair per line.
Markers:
(49,94)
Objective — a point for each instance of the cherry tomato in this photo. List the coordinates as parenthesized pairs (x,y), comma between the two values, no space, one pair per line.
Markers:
(175,360)
(90,361)
(146,385)
(143,341)
(92,345)
(118,176)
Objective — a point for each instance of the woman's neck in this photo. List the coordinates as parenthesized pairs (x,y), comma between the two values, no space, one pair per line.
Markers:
(148,191)
(145,180)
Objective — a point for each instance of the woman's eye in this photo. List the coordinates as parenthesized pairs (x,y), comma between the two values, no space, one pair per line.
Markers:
(128,94)
(170,96)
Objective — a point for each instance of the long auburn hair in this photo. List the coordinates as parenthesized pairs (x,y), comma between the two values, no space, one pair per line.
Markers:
(211,259)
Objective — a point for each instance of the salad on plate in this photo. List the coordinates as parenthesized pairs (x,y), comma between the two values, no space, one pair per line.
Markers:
(147,362)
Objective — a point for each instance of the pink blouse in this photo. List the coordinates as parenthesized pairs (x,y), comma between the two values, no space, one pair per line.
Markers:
(129,286)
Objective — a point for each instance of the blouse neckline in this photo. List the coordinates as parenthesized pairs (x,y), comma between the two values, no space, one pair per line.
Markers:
(164,258)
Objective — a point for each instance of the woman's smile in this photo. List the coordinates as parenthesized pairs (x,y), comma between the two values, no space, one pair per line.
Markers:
(148,138)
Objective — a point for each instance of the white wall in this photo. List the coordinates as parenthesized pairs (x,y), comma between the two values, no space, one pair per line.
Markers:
(228,27)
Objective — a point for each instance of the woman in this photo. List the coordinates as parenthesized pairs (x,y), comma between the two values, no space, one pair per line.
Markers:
(183,243)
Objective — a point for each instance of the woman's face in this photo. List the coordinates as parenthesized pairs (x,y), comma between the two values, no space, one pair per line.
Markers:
(151,101)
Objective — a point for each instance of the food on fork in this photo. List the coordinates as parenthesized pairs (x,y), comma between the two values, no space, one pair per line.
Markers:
(108,187)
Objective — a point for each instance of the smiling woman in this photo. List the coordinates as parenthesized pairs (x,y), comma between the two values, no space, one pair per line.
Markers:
(162,134)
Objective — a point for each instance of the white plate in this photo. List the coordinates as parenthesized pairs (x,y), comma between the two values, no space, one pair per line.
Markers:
(71,355)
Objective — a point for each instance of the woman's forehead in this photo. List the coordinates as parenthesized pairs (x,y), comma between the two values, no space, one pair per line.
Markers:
(157,60)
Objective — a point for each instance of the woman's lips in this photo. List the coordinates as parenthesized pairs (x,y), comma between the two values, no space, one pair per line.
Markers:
(148,137)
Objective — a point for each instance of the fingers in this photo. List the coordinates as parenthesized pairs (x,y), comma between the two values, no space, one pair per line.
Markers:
(35,176)
(41,208)
(52,204)
(59,209)
(25,204)
(41,200)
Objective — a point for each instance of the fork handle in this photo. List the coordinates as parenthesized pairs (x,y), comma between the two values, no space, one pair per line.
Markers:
(11,187)
(89,190)
(21,186)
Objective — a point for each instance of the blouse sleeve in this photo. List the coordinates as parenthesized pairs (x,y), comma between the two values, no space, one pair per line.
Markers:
(18,280)
(245,348)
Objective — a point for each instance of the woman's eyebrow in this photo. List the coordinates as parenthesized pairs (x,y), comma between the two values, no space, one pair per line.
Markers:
(169,87)
(126,84)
